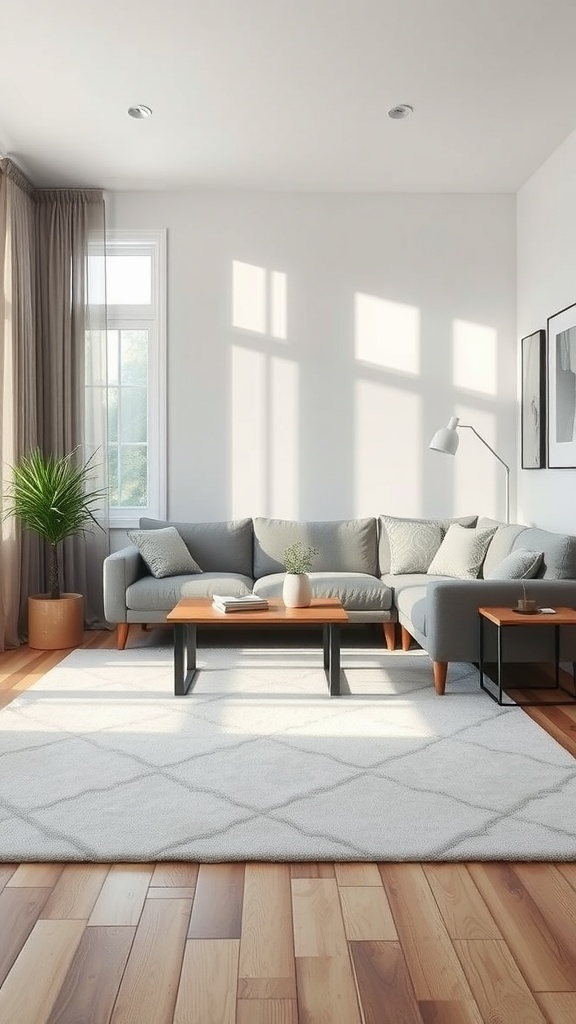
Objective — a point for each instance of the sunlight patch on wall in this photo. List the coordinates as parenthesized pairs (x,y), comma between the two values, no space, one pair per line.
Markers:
(259,300)
(475,349)
(388,450)
(264,440)
(478,477)
(387,334)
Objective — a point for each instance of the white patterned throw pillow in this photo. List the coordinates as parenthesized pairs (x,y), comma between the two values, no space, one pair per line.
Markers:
(462,552)
(413,543)
(164,552)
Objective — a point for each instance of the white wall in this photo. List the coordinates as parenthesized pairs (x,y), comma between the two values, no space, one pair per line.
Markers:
(546,215)
(399,311)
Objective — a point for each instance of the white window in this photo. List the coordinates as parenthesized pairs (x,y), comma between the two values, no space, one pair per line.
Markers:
(134,389)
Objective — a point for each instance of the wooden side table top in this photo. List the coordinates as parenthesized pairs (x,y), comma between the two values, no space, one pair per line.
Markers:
(200,610)
(508,617)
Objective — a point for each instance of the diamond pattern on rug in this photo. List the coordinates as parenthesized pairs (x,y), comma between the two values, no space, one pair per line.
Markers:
(99,761)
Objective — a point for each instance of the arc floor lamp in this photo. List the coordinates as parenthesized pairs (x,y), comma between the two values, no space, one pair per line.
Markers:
(446,440)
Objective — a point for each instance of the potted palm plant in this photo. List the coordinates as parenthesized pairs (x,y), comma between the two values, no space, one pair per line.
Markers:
(49,495)
(297,589)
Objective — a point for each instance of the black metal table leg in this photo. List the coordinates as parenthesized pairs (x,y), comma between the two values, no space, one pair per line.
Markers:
(326,646)
(499,628)
(333,672)
(184,672)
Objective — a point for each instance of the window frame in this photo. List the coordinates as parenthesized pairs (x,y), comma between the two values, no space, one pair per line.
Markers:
(153,319)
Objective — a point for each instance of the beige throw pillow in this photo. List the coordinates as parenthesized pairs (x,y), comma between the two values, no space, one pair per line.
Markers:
(413,543)
(461,553)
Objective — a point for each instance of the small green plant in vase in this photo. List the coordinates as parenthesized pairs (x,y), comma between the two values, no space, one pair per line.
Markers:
(298,559)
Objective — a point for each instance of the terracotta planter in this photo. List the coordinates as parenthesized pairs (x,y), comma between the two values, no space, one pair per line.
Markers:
(297,590)
(54,625)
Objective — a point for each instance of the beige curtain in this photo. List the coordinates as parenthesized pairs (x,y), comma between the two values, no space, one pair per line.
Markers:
(48,314)
(70,236)
(19,556)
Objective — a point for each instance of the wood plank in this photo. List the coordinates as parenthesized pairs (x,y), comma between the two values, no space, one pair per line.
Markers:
(30,674)
(19,911)
(170,892)
(91,984)
(367,913)
(149,987)
(314,869)
(176,873)
(496,982)
(451,1011)
(326,990)
(122,896)
(267,1011)
(463,910)
(568,871)
(554,897)
(266,940)
(30,875)
(45,958)
(558,722)
(534,946)
(266,988)
(207,990)
(217,908)
(558,1007)
(432,962)
(384,986)
(76,892)
(317,916)
(357,874)
(6,872)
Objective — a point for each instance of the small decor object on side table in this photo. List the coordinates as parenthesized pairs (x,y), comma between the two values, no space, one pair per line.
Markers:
(297,589)
(526,605)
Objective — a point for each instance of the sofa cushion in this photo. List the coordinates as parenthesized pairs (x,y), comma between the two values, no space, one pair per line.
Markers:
(462,552)
(164,551)
(218,547)
(518,565)
(149,594)
(384,554)
(407,579)
(413,543)
(559,552)
(411,602)
(344,546)
(501,543)
(356,591)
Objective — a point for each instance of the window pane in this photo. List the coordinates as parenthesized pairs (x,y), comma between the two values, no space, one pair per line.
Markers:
(113,476)
(112,415)
(134,415)
(129,280)
(113,357)
(133,476)
(134,357)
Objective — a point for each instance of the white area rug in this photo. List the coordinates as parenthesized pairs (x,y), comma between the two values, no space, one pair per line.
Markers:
(99,761)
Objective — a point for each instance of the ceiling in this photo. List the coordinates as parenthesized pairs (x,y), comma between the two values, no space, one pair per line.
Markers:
(286,94)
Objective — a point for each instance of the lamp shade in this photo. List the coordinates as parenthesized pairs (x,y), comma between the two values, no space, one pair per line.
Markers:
(446,440)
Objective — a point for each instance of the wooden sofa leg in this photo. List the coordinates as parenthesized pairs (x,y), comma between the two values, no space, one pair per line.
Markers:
(440,672)
(406,639)
(145,627)
(390,635)
(122,634)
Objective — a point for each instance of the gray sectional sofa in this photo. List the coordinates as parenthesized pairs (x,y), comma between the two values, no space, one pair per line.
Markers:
(355,563)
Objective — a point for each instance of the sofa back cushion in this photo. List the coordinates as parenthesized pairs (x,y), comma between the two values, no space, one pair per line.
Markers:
(216,547)
(384,552)
(558,549)
(346,545)
(501,543)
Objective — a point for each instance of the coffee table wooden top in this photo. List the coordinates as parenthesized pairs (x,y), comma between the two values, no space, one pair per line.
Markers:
(200,610)
(508,617)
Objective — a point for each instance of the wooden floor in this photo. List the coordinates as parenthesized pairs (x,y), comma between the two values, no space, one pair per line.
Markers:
(260,943)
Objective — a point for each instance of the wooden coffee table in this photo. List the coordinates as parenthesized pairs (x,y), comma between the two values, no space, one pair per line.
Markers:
(507,618)
(192,612)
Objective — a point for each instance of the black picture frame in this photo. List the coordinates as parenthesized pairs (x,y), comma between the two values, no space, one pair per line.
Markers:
(533,404)
(561,391)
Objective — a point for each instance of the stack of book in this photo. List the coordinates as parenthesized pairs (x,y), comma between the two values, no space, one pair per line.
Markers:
(248,603)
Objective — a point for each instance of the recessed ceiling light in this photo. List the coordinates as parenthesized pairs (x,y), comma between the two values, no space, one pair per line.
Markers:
(139,111)
(400,110)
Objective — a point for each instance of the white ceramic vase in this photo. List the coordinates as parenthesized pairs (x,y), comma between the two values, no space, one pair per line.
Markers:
(297,590)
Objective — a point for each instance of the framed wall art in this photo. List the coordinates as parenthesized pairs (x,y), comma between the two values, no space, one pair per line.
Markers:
(533,409)
(561,374)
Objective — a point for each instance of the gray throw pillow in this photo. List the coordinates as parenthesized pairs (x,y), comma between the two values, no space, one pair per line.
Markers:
(413,543)
(518,565)
(164,552)
(461,553)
